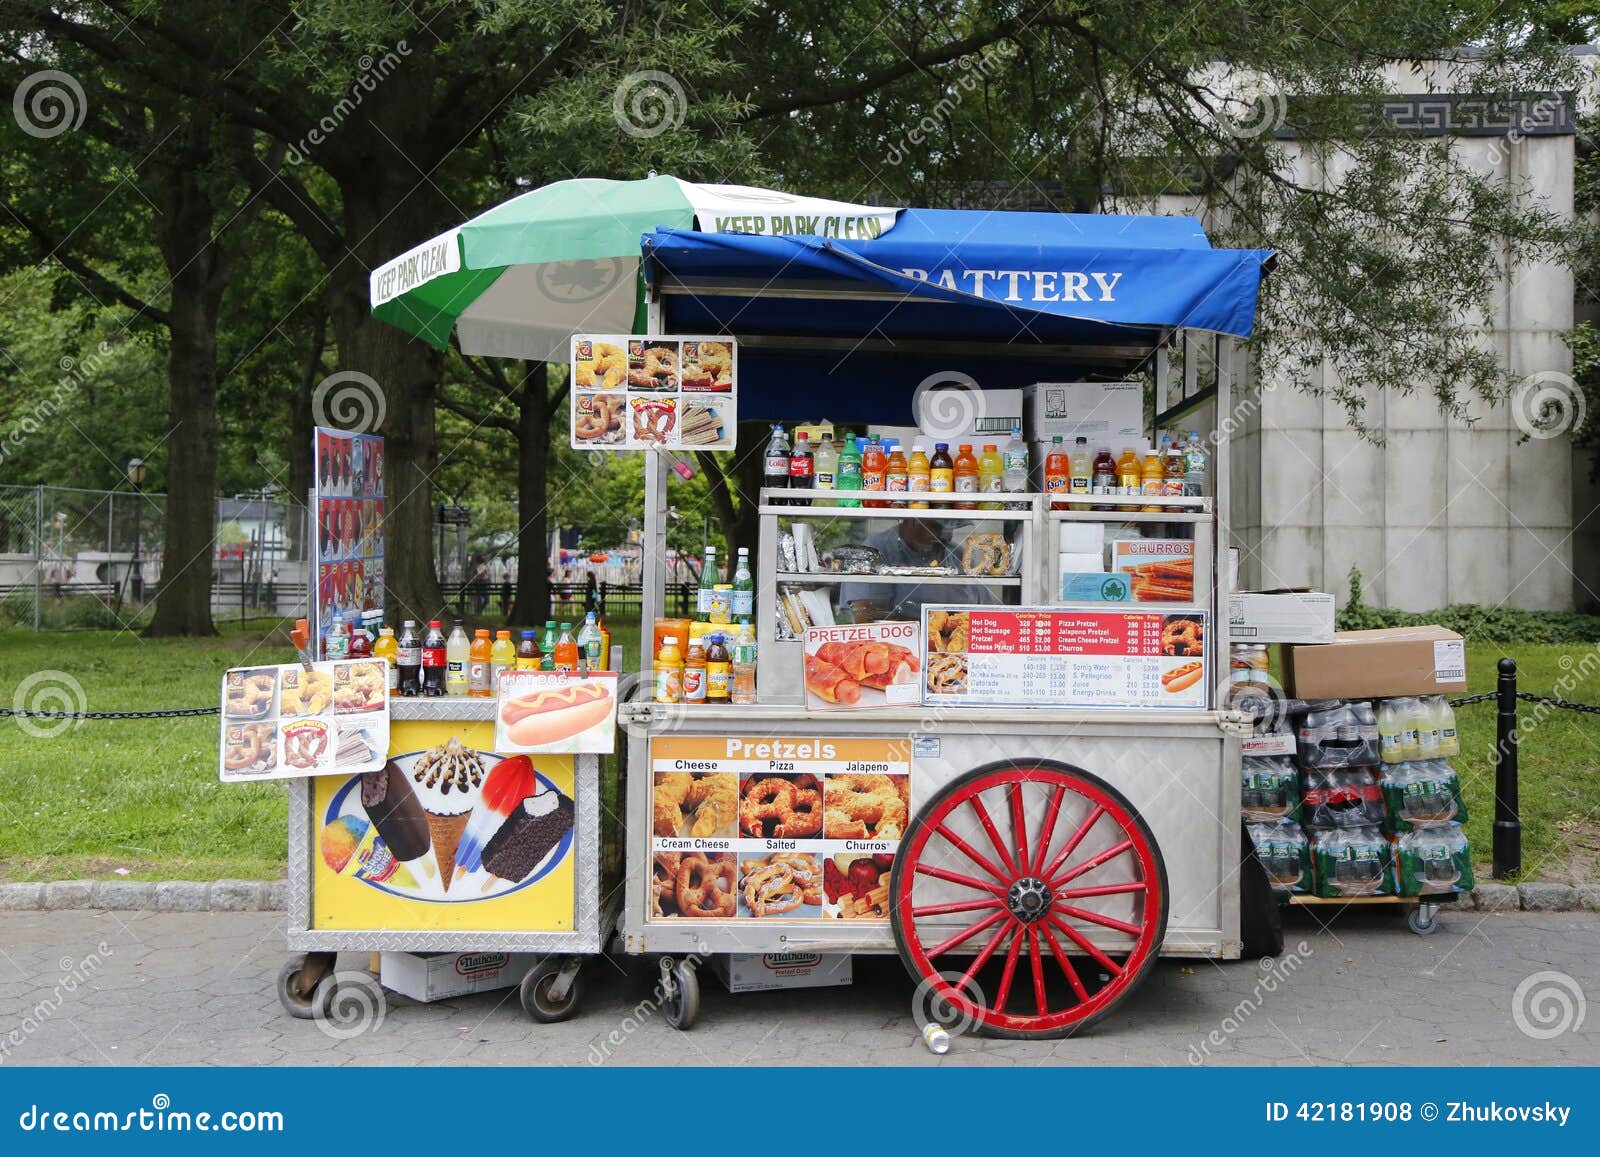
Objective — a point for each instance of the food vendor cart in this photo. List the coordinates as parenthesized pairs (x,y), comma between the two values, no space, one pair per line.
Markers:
(1062,806)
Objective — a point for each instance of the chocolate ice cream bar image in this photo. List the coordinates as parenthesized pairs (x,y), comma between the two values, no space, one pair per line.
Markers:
(532,829)
(396,812)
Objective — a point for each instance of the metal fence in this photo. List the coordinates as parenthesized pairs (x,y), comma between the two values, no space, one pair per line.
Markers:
(74,558)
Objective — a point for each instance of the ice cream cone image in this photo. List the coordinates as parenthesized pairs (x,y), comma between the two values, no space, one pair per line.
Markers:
(446,831)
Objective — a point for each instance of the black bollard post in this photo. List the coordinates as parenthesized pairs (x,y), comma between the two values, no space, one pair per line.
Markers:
(1507,825)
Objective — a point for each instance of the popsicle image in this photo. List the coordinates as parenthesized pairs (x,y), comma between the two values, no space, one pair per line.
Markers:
(352,847)
(525,839)
(508,783)
(396,812)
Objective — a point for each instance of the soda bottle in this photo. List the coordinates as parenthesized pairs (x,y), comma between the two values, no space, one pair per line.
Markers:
(457,652)
(1194,466)
(1152,477)
(874,470)
(801,467)
(917,475)
(337,644)
(694,672)
(1103,480)
(849,474)
(718,665)
(589,640)
(744,587)
(387,649)
(941,471)
(502,657)
(1444,721)
(565,652)
(1057,473)
(1128,471)
(433,659)
(1176,466)
(480,676)
(708,582)
(896,472)
(965,475)
(775,474)
(1080,472)
(528,657)
(991,475)
(1014,463)
(826,467)
(360,641)
(547,647)
(669,671)
(408,659)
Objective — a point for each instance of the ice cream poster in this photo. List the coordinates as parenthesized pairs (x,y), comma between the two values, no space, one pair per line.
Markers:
(865,665)
(552,711)
(448,835)
(289,721)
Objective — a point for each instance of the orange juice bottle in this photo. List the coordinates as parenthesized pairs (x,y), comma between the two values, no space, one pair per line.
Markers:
(479,682)
(874,470)
(1152,478)
(964,474)
(1128,472)
(1057,473)
(918,475)
(669,671)
(896,473)
(566,650)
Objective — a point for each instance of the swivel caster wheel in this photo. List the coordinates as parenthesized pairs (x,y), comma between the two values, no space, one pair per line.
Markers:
(306,986)
(680,993)
(552,990)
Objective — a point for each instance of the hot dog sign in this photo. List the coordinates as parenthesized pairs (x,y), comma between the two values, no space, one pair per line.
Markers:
(1049,657)
(551,711)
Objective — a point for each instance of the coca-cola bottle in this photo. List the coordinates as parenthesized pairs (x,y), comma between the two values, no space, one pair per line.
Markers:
(408,659)
(433,659)
(801,467)
(775,474)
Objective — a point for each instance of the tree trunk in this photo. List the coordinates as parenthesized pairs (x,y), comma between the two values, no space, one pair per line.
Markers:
(747,474)
(301,426)
(533,505)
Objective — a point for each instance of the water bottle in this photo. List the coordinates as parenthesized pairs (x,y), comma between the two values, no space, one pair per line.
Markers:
(1195,462)
(1014,461)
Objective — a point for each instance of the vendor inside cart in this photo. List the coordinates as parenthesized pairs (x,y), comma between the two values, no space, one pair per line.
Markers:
(911,542)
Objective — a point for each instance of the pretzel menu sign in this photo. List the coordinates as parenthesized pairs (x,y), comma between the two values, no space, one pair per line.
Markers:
(290,721)
(774,827)
(654,392)
(1047,657)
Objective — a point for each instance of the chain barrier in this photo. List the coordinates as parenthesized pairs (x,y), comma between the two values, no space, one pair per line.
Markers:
(168,713)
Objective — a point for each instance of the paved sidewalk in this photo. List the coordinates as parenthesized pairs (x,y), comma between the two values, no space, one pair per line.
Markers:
(147,988)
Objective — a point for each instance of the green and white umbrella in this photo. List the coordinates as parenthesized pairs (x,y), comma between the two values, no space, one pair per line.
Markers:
(520,279)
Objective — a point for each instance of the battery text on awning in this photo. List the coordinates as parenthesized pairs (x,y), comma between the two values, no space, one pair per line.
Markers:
(1025,284)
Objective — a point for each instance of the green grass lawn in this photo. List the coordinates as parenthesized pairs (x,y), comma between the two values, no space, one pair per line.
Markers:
(144,796)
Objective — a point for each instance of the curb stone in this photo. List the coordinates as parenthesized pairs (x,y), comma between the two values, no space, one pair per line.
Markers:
(1547,897)
(236,896)
(1589,897)
(182,896)
(69,894)
(21,897)
(1496,898)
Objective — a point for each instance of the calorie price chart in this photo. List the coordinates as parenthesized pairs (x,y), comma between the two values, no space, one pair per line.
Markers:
(1048,657)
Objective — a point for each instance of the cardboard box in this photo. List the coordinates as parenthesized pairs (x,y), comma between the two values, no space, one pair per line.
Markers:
(1280,617)
(767,972)
(1105,413)
(1375,664)
(993,415)
(430,976)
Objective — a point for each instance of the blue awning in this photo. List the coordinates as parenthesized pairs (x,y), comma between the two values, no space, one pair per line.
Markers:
(1080,294)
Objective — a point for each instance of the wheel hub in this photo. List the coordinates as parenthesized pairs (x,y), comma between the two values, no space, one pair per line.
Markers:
(1028,899)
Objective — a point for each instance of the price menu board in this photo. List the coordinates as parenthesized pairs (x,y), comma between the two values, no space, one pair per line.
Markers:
(1047,657)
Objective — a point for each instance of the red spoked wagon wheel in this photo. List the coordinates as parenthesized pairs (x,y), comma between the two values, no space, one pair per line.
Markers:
(1028,898)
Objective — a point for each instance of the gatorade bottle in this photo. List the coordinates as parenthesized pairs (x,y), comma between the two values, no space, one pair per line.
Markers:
(1057,473)
(874,470)
(849,474)
(941,471)
(1152,477)
(801,464)
(502,657)
(480,681)
(1103,477)
(1128,472)
(896,473)
(965,473)
(917,479)
(991,476)
(1080,473)
(826,468)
